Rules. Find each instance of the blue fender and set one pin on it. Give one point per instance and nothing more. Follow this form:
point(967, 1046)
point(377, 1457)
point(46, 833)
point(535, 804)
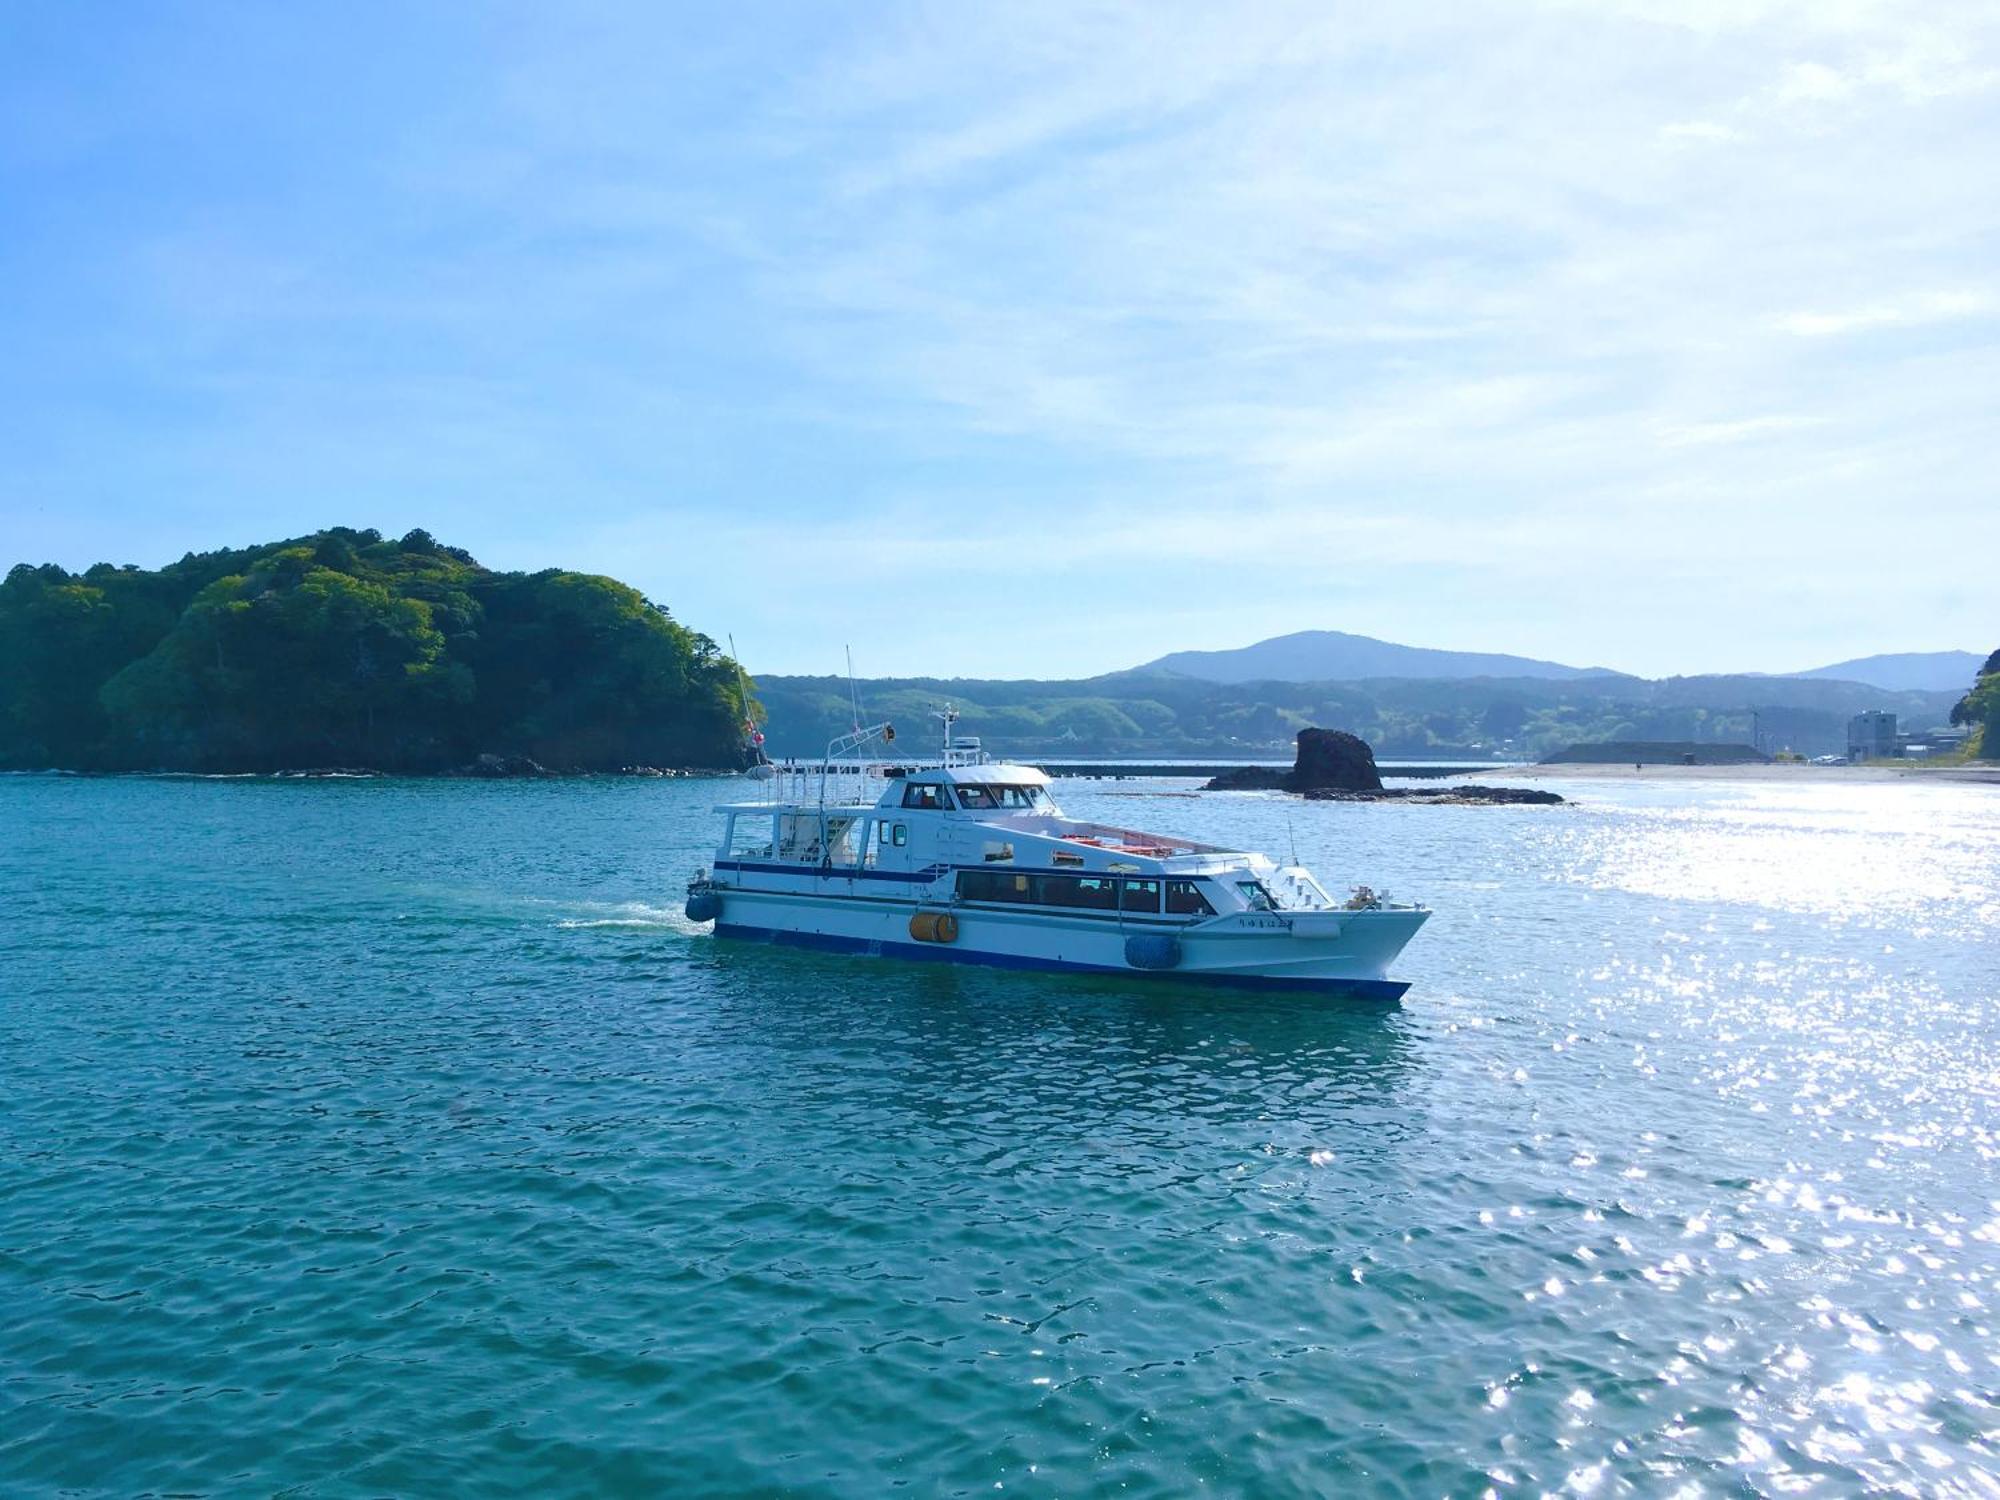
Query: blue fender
point(703, 906)
point(1153, 950)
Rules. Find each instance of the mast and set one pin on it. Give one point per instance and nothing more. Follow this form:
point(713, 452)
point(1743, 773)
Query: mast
point(753, 739)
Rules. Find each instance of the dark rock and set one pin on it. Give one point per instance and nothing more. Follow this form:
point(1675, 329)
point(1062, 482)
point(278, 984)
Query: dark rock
point(1327, 758)
point(1333, 759)
point(495, 767)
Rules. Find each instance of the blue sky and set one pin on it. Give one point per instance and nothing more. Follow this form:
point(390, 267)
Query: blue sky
point(1037, 340)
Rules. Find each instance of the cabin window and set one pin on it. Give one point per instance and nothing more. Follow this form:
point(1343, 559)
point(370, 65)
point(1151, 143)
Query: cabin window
point(1140, 895)
point(927, 796)
point(1184, 899)
point(994, 885)
point(1073, 892)
point(1092, 893)
point(900, 835)
point(1255, 896)
point(750, 838)
point(989, 797)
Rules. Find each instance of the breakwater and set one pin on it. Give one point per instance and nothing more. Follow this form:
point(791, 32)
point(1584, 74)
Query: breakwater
point(1114, 770)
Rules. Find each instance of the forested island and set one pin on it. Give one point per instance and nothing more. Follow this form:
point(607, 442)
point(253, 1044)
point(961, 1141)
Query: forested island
point(345, 648)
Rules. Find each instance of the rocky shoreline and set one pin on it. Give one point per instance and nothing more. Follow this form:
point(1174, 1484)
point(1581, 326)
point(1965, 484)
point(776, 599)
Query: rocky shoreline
point(485, 768)
point(1469, 795)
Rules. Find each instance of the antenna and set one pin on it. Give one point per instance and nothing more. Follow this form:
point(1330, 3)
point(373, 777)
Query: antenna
point(1292, 836)
point(853, 692)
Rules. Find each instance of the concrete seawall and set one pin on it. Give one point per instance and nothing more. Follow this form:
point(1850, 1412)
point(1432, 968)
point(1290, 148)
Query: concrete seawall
point(1111, 769)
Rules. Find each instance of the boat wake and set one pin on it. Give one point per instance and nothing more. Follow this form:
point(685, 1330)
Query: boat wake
point(627, 914)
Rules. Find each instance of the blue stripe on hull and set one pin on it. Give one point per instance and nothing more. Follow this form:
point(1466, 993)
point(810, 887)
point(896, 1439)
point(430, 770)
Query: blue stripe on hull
point(1359, 989)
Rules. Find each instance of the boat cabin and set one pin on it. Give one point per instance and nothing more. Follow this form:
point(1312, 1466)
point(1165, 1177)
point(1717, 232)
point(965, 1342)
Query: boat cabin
point(991, 834)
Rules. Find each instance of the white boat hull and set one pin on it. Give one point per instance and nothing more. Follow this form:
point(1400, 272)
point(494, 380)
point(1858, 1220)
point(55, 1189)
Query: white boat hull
point(1329, 951)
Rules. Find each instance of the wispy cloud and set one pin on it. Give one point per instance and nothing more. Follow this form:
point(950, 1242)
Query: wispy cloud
point(1462, 327)
point(1927, 308)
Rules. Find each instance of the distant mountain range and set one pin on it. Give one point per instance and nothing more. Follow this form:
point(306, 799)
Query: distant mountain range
point(1336, 656)
point(1906, 671)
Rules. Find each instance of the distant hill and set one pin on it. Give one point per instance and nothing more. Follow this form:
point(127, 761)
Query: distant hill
point(1166, 714)
point(1335, 656)
point(1906, 671)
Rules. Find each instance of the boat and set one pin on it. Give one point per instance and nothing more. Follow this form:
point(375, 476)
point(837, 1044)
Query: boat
point(964, 859)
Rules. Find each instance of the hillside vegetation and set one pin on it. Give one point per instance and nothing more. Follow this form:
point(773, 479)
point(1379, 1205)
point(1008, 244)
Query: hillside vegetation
point(1160, 714)
point(343, 648)
point(1979, 709)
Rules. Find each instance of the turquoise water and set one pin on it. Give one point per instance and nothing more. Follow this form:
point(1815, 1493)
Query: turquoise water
point(398, 1137)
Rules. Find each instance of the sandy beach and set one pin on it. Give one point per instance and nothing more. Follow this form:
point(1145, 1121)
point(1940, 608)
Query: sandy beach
point(1988, 773)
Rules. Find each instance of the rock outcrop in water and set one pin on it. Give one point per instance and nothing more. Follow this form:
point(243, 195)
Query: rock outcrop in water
point(1334, 766)
point(1326, 760)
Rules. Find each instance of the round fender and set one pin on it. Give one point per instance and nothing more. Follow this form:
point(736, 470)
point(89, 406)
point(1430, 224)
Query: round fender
point(1153, 950)
point(703, 906)
point(934, 927)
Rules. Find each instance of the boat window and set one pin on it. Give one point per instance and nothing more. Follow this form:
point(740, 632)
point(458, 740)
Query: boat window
point(926, 795)
point(993, 885)
point(1140, 895)
point(902, 836)
point(750, 837)
point(1256, 896)
point(1074, 892)
point(988, 797)
point(1092, 893)
point(1184, 899)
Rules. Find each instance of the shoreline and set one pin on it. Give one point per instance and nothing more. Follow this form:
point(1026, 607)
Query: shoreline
point(368, 773)
point(1987, 774)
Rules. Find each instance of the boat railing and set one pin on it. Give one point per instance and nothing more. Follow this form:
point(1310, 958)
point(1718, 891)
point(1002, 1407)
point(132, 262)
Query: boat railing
point(814, 783)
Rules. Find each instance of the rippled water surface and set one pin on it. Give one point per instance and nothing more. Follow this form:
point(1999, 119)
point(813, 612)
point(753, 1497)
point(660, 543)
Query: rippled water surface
point(400, 1137)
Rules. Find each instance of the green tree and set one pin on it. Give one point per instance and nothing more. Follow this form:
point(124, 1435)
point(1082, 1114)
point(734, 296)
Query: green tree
point(1979, 709)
